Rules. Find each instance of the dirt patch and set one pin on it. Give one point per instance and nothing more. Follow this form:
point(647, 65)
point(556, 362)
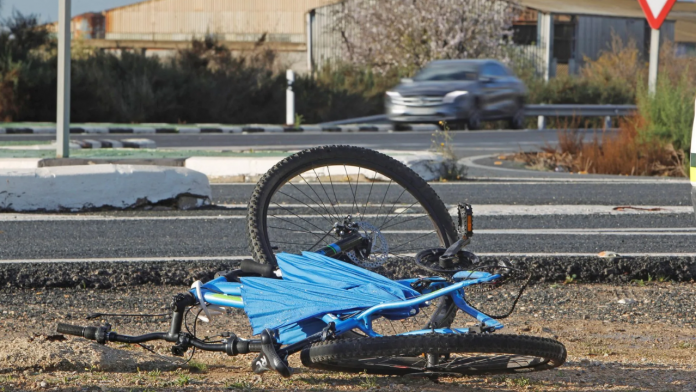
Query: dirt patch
point(632, 337)
point(55, 352)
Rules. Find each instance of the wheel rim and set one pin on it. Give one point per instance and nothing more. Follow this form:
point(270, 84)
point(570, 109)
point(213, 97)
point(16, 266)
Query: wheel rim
point(473, 363)
point(302, 212)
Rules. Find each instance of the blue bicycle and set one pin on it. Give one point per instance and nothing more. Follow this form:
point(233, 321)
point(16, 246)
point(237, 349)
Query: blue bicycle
point(310, 291)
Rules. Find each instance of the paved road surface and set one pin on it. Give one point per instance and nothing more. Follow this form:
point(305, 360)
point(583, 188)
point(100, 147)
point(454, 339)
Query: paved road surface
point(563, 222)
point(465, 143)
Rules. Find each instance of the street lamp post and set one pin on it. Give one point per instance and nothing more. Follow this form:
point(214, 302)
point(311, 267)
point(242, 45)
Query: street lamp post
point(63, 111)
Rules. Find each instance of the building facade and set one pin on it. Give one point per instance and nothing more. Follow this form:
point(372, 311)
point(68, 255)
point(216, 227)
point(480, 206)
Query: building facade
point(160, 27)
point(556, 35)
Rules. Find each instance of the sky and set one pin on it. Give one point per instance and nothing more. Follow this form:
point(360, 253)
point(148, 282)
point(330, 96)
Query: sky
point(48, 9)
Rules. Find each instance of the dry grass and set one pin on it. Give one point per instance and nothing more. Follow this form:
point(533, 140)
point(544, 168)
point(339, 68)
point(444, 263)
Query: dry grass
point(624, 153)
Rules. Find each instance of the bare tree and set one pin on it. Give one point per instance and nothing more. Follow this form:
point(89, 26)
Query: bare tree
point(410, 33)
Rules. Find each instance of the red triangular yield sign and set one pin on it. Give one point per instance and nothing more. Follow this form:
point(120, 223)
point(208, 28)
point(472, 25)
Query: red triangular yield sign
point(656, 11)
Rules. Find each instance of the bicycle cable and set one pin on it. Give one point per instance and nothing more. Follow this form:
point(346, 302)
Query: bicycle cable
point(95, 315)
point(514, 303)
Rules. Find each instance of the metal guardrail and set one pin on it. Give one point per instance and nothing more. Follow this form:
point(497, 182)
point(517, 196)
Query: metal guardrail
point(579, 110)
point(378, 119)
point(530, 111)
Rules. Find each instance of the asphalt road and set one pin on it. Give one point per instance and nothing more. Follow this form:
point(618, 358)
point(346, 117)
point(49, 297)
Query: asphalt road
point(220, 232)
point(465, 143)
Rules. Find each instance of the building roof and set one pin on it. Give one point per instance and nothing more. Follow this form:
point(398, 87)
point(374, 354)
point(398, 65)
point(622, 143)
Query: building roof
point(682, 11)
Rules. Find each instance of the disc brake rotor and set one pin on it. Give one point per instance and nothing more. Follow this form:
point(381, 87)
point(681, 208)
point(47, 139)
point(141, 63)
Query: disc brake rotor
point(379, 253)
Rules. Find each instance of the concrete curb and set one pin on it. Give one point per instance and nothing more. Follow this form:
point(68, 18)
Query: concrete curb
point(77, 188)
point(428, 165)
point(216, 128)
point(91, 144)
point(108, 143)
point(234, 169)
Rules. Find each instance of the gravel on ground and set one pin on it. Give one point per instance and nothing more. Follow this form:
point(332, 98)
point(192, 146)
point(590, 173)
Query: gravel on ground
point(639, 336)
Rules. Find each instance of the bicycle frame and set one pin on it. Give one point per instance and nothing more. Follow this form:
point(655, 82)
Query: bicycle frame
point(220, 292)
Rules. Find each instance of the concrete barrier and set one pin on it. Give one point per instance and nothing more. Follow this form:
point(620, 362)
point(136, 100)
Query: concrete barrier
point(244, 169)
point(75, 188)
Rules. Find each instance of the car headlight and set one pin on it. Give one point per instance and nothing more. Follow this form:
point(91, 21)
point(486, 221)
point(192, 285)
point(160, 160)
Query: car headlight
point(450, 97)
point(398, 109)
point(395, 97)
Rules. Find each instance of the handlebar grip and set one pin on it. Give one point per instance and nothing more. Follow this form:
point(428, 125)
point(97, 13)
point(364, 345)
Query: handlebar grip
point(76, 330)
point(265, 270)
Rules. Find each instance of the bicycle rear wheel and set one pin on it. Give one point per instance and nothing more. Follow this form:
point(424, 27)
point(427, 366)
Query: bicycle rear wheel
point(457, 355)
point(296, 204)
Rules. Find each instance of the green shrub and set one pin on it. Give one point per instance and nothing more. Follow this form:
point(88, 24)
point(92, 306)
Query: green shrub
point(669, 113)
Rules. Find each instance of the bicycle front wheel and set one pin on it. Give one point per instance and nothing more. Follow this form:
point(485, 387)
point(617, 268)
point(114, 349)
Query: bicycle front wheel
point(450, 355)
point(296, 205)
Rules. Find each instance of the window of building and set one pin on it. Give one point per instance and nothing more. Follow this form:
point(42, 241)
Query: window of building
point(564, 28)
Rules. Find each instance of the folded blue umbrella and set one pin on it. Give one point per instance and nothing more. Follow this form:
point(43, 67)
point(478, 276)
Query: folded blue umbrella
point(312, 267)
point(312, 286)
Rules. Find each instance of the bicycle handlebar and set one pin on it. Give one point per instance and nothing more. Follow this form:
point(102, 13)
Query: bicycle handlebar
point(102, 334)
point(85, 332)
point(231, 346)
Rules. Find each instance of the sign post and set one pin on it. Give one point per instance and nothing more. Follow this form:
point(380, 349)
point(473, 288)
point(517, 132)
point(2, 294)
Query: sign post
point(656, 12)
point(63, 107)
point(290, 99)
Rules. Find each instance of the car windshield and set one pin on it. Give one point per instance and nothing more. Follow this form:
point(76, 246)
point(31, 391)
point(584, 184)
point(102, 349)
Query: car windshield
point(446, 73)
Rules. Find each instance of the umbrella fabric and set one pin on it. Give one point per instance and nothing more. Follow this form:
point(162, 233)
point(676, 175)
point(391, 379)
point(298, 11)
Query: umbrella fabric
point(315, 268)
point(274, 303)
point(312, 286)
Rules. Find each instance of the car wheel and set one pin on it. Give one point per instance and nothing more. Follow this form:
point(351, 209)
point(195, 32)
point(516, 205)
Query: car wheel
point(400, 126)
point(473, 123)
point(518, 119)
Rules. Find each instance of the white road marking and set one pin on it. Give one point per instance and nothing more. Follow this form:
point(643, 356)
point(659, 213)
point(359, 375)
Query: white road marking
point(536, 210)
point(637, 231)
point(581, 178)
point(584, 254)
point(479, 210)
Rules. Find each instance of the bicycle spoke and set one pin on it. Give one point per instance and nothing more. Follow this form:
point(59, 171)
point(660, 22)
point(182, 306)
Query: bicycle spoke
point(414, 239)
point(327, 195)
point(351, 190)
point(320, 240)
point(294, 230)
point(384, 198)
point(289, 243)
point(393, 205)
point(285, 194)
point(301, 218)
point(317, 195)
point(328, 170)
point(369, 194)
point(404, 221)
point(397, 215)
